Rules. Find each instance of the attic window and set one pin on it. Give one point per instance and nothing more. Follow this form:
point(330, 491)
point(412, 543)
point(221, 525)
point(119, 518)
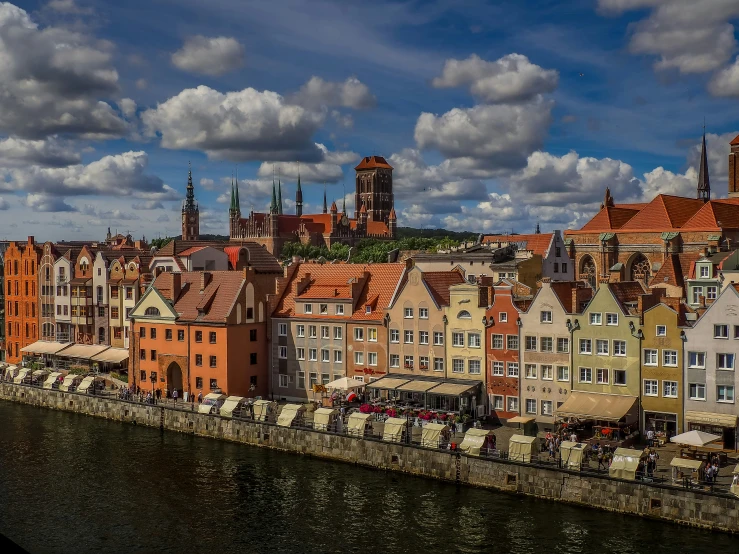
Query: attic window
point(368, 309)
point(152, 311)
point(464, 314)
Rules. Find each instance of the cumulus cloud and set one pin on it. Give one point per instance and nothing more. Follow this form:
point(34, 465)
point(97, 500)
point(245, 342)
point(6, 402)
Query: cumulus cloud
point(15, 152)
point(109, 215)
point(246, 125)
point(148, 205)
point(349, 94)
point(207, 184)
point(42, 202)
point(726, 82)
point(52, 79)
point(327, 171)
point(692, 36)
point(512, 78)
point(212, 56)
point(4, 204)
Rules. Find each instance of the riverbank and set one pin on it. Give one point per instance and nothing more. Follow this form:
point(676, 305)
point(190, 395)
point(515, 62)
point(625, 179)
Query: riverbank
point(686, 507)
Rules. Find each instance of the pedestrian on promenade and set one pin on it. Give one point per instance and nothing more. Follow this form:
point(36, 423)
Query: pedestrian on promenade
point(601, 458)
point(573, 436)
point(200, 396)
point(650, 438)
point(175, 395)
point(159, 395)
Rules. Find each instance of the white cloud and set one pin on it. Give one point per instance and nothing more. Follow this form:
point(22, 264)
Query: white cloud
point(207, 184)
point(148, 205)
point(4, 204)
point(51, 152)
point(328, 171)
point(107, 215)
point(512, 78)
point(726, 81)
point(692, 36)
point(350, 94)
point(68, 7)
point(41, 202)
point(141, 84)
point(212, 56)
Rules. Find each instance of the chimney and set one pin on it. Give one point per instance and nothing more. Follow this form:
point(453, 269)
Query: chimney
point(176, 285)
point(205, 277)
point(31, 240)
point(702, 301)
point(575, 299)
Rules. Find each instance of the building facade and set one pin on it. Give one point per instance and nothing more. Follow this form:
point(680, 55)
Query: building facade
point(502, 345)
point(190, 212)
point(47, 290)
point(550, 247)
point(21, 297)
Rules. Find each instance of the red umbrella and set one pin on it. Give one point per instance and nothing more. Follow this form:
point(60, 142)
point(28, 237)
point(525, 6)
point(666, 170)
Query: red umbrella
point(351, 397)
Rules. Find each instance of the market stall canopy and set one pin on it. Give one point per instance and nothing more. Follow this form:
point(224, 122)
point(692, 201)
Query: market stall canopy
point(322, 417)
point(694, 438)
point(345, 383)
point(82, 351)
point(69, 380)
point(289, 413)
point(417, 386)
point(211, 399)
point(394, 428)
point(434, 434)
point(387, 383)
point(523, 420)
point(474, 441)
point(45, 347)
point(263, 409)
point(87, 383)
point(111, 356)
point(735, 482)
point(356, 423)
point(708, 418)
point(40, 372)
point(571, 454)
point(520, 448)
point(51, 379)
point(231, 403)
point(454, 389)
point(591, 405)
point(686, 463)
point(625, 463)
point(21, 375)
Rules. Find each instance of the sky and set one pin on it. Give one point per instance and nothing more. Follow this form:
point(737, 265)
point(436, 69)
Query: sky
point(495, 115)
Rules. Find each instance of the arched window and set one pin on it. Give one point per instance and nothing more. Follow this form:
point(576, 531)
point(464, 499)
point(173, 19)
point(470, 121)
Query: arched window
point(640, 269)
point(152, 311)
point(464, 314)
point(587, 270)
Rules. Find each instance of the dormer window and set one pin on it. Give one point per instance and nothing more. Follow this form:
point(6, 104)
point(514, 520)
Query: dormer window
point(368, 309)
point(704, 272)
point(307, 308)
point(339, 309)
point(323, 309)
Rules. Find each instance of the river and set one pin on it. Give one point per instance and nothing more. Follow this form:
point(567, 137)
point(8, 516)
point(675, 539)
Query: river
point(76, 484)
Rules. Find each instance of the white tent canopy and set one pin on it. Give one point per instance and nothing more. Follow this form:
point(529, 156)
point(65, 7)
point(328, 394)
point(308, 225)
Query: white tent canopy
point(345, 383)
point(694, 438)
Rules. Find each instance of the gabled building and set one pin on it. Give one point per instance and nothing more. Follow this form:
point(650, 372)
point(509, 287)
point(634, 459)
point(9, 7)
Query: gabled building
point(128, 278)
point(47, 290)
point(21, 297)
point(549, 247)
point(705, 279)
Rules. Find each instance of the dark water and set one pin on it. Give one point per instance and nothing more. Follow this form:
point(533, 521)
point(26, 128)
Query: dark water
point(76, 484)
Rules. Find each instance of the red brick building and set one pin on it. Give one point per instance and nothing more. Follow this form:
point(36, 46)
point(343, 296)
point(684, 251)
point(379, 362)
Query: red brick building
point(21, 297)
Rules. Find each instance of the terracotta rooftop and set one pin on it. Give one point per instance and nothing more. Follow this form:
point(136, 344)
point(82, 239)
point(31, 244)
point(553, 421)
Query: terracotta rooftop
point(213, 304)
point(438, 283)
point(735, 141)
point(563, 290)
point(191, 251)
point(536, 243)
point(671, 273)
point(610, 218)
point(372, 162)
point(176, 247)
point(627, 291)
point(259, 257)
point(664, 212)
point(724, 211)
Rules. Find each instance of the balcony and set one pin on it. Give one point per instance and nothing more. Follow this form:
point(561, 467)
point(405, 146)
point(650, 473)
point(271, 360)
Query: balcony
point(61, 280)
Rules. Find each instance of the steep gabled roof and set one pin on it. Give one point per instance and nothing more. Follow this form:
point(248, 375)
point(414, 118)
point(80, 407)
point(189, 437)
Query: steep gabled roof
point(438, 283)
point(213, 304)
point(538, 243)
point(626, 292)
point(563, 291)
point(372, 162)
point(670, 273)
point(610, 218)
point(725, 211)
point(664, 212)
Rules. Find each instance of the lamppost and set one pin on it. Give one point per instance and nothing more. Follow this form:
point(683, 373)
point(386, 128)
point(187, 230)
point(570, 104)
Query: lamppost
point(153, 379)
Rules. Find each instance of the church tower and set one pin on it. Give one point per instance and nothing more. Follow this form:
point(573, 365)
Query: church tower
point(374, 188)
point(704, 183)
point(299, 198)
point(190, 212)
point(734, 169)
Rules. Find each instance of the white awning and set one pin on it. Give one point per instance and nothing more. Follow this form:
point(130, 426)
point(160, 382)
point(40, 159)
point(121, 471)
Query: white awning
point(45, 347)
point(708, 418)
point(597, 406)
point(111, 355)
point(231, 403)
point(83, 351)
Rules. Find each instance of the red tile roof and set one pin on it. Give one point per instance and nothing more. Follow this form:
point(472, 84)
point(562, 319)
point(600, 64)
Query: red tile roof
point(212, 304)
point(536, 243)
point(627, 291)
point(259, 257)
point(191, 251)
point(371, 162)
point(611, 218)
point(670, 273)
point(725, 211)
point(439, 282)
point(563, 290)
point(735, 141)
point(664, 212)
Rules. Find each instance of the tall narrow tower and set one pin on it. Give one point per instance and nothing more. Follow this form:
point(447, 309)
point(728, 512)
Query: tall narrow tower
point(299, 198)
point(734, 168)
point(190, 211)
point(374, 188)
point(704, 183)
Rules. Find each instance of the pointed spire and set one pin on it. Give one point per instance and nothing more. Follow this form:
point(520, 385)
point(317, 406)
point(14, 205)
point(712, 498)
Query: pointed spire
point(299, 196)
point(538, 229)
point(190, 197)
point(325, 206)
point(704, 182)
point(232, 208)
point(279, 196)
point(238, 203)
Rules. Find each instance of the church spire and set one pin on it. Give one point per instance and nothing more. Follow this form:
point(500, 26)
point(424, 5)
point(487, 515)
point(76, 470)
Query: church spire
point(299, 197)
point(273, 204)
point(538, 229)
point(279, 196)
point(343, 207)
point(190, 197)
point(238, 203)
point(325, 207)
point(704, 182)
point(232, 208)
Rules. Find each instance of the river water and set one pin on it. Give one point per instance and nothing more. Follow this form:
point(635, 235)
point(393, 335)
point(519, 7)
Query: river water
point(72, 483)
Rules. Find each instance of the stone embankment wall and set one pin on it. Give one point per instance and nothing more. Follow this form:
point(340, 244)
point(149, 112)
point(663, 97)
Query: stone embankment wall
point(695, 508)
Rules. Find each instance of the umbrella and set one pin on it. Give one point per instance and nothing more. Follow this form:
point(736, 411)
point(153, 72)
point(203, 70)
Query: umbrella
point(694, 438)
point(351, 397)
point(345, 383)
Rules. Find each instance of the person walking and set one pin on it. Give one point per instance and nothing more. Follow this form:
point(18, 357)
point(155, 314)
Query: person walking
point(650, 438)
point(175, 394)
point(200, 397)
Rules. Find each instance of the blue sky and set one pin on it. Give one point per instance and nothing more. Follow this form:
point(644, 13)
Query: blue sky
point(496, 115)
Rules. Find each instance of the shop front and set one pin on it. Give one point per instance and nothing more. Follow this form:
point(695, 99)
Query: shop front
point(609, 418)
point(663, 424)
point(723, 425)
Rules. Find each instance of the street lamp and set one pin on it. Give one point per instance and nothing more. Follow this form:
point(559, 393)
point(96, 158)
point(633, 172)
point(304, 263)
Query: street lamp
point(153, 378)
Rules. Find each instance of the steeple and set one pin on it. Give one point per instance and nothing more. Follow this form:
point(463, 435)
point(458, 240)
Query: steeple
point(279, 196)
point(299, 197)
point(704, 182)
point(273, 204)
point(190, 197)
point(232, 208)
point(538, 229)
point(325, 206)
point(190, 211)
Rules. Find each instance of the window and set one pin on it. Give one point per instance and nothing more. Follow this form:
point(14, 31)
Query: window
point(325, 332)
point(358, 358)
point(546, 344)
point(457, 365)
point(283, 381)
point(312, 354)
point(611, 319)
point(323, 309)
point(601, 347)
point(669, 358)
point(530, 371)
point(423, 313)
point(325, 355)
point(563, 373)
point(650, 387)
point(212, 361)
point(556, 267)
point(438, 364)
point(307, 308)
point(142, 354)
point(394, 360)
point(301, 379)
point(473, 340)
point(180, 335)
point(457, 339)
point(464, 314)
point(281, 329)
point(299, 330)
point(546, 372)
point(596, 319)
point(153, 355)
point(661, 330)
point(438, 338)
point(512, 404)
point(697, 360)
point(496, 342)
point(497, 369)
point(339, 309)
point(408, 362)
point(372, 334)
point(530, 343)
point(313, 376)
point(198, 336)
point(198, 359)
point(212, 337)
point(669, 389)
point(586, 346)
point(546, 407)
point(512, 369)
point(503, 317)
point(545, 317)
point(650, 356)
point(586, 375)
point(619, 377)
point(372, 358)
point(408, 337)
point(282, 352)
point(473, 367)
point(408, 313)
point(619, 348)
point(721, 331)
point(129, 293)
point(423, 337)
point(512, 342)
point(711, 293)
point(704, 271)
point(338, 333)
point(359, 333)
point(725, 393)
point(198, 382)
point(498, 402)
point(736, 331)
point(142, 332)
point(423, 362)
point(697, 391)
point(168, 334)
point(697, 293)
point(300, 353)
point(563, 345)
point(724, 361)
point(312, 331)
point(530, 406)
point(601, 376)
point(394, 335)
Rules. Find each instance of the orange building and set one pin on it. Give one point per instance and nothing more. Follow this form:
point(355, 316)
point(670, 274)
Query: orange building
point(21, 297)
point(200, 332)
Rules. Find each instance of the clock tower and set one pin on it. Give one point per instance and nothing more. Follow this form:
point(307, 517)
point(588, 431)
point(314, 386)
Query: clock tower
point(190, 212)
